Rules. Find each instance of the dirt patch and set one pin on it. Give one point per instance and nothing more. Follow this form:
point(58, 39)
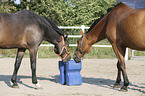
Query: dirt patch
point(99, 75)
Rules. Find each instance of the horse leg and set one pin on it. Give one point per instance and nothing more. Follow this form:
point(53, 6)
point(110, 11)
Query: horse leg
point(33, 53)
point(118, 80)
point(18, 60)
point(120, 53)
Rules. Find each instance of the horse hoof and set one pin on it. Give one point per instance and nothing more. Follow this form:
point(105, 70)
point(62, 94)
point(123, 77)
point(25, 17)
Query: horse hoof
point(123, 90)
point(15, 86)
point(38, 86)
point(116, 86)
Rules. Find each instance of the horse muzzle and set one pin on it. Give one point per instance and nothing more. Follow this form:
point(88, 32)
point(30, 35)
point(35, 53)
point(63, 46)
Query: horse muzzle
point(76, 58)
point(66, 58)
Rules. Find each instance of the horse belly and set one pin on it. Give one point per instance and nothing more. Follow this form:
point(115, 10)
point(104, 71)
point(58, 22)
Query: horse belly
point(137, 47)
point(136, 41)
point(14, 44)
point(131, 32)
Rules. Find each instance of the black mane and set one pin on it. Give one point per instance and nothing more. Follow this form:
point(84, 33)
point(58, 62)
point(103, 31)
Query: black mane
point(97, 20)
point(59, 31)
point(44, 21)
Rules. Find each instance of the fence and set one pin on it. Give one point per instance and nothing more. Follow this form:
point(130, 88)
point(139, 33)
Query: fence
point(135, 56)
point(82, 27)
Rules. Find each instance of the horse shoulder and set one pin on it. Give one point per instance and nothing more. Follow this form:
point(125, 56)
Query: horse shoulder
point(111, 27)
point(33, 35)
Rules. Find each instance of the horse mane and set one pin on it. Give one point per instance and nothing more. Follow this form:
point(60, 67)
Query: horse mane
point(55, 27)
point(44, 21)
point(102, 16)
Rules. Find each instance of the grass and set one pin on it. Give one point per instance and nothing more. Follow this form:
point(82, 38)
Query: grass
point(47, 52)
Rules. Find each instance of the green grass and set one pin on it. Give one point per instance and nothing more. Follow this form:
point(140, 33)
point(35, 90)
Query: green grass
point(47, 52)
point(139, 53)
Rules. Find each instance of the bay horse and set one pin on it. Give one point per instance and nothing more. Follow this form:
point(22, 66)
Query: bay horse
point(26, 30)
point(124, 27)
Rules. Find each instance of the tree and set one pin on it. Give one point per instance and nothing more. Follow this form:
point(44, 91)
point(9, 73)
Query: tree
point(70, 13)
point(80, 12)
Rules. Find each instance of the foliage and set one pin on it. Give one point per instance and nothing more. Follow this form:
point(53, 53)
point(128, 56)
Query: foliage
point(71, 13)
point(78, 12)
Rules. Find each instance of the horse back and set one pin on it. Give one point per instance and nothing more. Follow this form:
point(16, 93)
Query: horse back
point(127, 27)
point(19, 29)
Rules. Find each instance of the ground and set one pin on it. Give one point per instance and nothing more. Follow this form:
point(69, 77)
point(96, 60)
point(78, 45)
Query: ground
point(98, 76)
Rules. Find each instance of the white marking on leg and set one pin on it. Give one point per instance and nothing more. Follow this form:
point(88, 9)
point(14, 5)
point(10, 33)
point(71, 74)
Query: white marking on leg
point(38, 86)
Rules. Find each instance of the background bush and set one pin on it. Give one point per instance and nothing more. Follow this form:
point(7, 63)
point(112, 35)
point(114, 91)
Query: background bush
point(71, 13)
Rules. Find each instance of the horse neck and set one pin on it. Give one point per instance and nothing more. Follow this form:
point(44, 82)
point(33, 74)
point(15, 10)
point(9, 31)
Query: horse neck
point(98, 32)
point(52, 33)
point(52, 37)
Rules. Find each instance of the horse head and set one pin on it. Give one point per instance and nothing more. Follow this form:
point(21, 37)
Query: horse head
point(82, 48)
point(61, 49)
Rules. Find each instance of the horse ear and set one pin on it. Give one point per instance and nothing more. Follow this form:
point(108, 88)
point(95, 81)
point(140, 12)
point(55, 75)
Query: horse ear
point(82, 33)
point(65, 36)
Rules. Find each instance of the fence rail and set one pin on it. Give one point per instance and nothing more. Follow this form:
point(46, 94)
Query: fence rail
point(82, 27)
